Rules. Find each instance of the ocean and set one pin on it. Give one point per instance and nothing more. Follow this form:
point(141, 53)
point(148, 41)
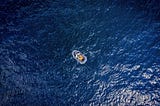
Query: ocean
point(120, 38)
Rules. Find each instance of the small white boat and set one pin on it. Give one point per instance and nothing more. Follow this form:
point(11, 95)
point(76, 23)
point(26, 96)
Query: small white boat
point(82, 59)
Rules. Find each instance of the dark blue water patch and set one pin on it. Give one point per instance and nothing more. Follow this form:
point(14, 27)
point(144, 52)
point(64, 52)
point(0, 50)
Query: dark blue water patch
point(10, 15)
point(120, 39)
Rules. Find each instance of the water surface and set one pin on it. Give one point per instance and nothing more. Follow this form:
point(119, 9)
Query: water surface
point(120, 39)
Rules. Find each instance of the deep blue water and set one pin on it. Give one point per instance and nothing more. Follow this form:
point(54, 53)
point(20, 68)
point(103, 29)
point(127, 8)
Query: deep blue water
point(121, 40)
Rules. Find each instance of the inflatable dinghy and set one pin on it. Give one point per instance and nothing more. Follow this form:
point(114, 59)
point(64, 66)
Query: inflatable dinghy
point(82, 59)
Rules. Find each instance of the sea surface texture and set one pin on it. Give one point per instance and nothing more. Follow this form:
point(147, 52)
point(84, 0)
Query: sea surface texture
point(121, 39)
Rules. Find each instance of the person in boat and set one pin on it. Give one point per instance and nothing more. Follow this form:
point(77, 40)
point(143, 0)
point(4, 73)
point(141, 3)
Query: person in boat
point(79, 57)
